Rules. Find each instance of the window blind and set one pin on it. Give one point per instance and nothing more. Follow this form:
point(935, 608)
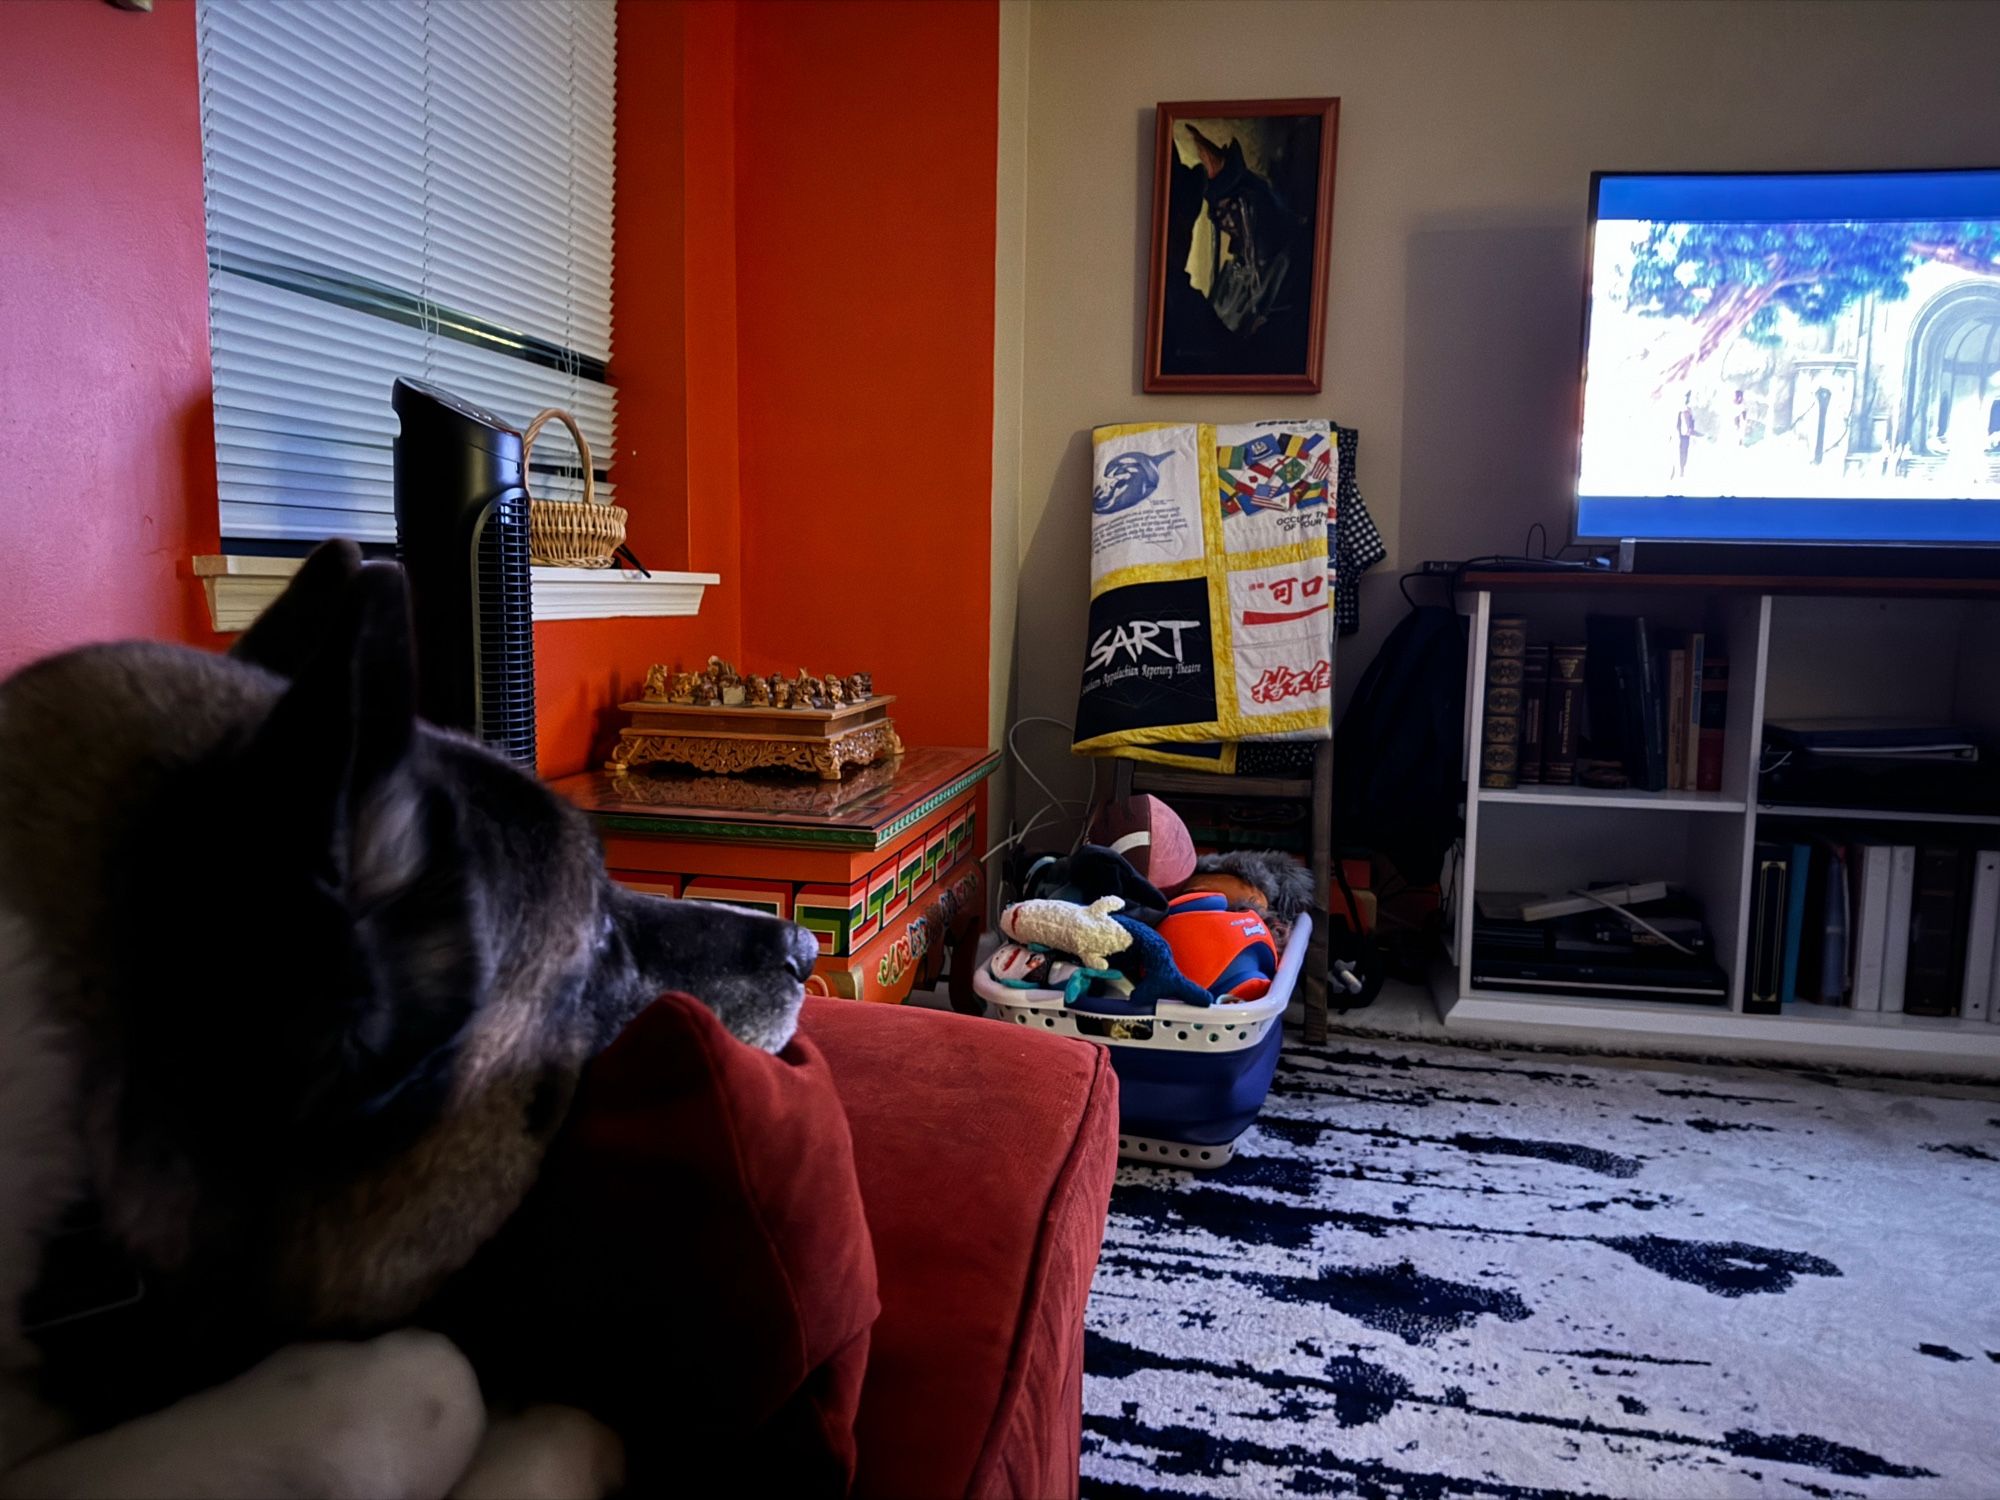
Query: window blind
point(401, 187)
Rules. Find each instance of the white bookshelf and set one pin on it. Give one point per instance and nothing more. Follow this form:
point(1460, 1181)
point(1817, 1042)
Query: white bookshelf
point(1838, 648)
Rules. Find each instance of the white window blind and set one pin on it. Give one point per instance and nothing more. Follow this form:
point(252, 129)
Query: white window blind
point(400, 187)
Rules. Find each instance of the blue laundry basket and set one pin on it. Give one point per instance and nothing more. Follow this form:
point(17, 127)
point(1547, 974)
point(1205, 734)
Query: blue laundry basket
point(1190, 1078)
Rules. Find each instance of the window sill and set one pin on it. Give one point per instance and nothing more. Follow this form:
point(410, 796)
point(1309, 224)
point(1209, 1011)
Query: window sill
point(239, 589)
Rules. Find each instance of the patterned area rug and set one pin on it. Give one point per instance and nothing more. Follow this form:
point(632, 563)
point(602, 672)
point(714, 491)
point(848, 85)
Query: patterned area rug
point(1438, 1271)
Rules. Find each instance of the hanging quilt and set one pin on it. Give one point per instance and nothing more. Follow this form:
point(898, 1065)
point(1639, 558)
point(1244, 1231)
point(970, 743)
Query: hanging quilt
point(1210, 590)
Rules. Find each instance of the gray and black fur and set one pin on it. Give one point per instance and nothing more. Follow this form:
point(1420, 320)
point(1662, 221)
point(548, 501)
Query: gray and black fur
point(294, 988)
point(1286, 883)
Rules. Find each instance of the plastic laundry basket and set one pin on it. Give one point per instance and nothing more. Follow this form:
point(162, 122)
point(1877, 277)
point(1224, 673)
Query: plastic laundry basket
point(1191, 1078)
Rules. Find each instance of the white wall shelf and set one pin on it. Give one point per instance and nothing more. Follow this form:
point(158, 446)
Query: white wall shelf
point(1590, 796)
point(1876, 815)
point(240, 588)
point(1850, 652)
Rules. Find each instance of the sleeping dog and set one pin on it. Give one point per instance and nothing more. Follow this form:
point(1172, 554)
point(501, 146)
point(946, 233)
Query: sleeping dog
point(294, 991)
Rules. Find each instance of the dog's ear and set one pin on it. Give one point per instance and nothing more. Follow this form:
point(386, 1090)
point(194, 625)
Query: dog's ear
point(296, 625)
point(344, 729)
point(360, 817)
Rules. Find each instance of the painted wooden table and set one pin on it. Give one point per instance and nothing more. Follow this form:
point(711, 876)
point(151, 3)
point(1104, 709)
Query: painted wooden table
point(882, 866)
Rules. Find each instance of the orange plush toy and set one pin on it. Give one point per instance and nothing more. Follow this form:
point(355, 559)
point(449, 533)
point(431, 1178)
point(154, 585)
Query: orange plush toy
point(1228, 953)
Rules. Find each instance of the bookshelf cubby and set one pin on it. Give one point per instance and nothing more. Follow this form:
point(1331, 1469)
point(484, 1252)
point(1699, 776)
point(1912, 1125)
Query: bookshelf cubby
point(1799, 648)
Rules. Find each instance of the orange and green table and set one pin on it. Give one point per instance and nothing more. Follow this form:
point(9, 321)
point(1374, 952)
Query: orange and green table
point(882, 866)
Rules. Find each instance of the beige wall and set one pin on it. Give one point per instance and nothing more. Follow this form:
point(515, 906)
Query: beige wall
point(1010, 270)
point(1468, 132)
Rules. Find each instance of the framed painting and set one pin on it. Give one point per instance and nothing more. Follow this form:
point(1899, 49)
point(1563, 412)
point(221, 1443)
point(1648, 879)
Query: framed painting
point(1242, 221)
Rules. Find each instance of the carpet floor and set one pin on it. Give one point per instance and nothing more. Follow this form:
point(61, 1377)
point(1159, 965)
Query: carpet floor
point(1438, 1271)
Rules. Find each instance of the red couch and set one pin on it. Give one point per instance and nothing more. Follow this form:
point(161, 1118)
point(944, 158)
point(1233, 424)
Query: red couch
point(985, 1154)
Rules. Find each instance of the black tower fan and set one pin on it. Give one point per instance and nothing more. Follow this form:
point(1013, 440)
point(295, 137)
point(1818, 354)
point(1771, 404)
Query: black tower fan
point(462, 534)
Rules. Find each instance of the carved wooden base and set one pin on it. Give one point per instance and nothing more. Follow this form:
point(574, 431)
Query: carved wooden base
point(727, 754)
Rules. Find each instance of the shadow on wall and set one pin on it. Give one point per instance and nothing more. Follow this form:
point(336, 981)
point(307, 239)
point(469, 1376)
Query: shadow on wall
point(1053, 613)
point(1491, 352)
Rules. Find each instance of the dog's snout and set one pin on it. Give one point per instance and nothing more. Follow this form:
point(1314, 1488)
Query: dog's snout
point(801, 953)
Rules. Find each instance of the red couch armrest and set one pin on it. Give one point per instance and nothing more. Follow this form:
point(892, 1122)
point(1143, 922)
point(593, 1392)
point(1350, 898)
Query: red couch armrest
point(985, 1154)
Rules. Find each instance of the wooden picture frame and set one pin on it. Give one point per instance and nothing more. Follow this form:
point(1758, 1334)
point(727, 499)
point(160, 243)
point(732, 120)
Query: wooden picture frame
point(1219, 319)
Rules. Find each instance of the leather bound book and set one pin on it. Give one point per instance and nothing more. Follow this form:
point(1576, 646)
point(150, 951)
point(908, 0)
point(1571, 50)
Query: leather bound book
point(1714, 715)
point(1562, 716)
point(1534, 702)
point(1500, 740)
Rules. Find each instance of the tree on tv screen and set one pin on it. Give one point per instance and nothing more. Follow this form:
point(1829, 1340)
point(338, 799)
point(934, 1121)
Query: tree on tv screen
point(1730, 279)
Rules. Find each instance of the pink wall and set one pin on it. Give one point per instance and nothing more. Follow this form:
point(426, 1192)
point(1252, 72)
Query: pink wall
point(106, 438)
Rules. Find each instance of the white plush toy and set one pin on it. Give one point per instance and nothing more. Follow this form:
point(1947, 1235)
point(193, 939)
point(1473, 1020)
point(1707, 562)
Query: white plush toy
point(1086, 931)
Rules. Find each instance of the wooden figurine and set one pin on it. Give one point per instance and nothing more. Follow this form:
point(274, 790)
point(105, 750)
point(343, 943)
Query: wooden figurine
point(860, 687)
point(757, 691)
point(781, 691)
point(680, 688)
point(836, 692)
point(656, 684)
point(707, 692)
point(808, 692)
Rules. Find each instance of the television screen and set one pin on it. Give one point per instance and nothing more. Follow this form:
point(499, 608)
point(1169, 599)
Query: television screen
point(1808, 357)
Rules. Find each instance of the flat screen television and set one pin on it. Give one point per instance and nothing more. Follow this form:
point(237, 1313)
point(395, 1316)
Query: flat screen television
point(1792, 358)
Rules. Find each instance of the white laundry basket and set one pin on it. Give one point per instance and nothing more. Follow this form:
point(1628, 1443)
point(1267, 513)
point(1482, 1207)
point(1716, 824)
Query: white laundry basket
point(1191, 1078)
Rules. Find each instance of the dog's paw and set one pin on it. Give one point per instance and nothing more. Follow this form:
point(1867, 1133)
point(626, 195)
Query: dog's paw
point(544, 1453)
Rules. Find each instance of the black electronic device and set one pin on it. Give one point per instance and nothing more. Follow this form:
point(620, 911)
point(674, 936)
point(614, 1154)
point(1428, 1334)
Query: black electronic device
point(462, 535)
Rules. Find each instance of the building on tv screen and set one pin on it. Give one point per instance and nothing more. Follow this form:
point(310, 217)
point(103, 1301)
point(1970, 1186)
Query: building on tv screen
point(1794, 358)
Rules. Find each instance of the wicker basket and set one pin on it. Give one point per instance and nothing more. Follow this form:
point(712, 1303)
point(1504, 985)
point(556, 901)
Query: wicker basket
point(570, 533)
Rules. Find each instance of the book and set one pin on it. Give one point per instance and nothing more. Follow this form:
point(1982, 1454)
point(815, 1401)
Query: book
point(1625, 704)
point(1982, 928)
point(1697, 652)
point(1896, 946)
point(1677, 720)
point(1763, 978)
point(1931, 985)
point(1714, 714)
point(1562, 718)
point(1823, 948)
point(1869, 864)
point(1534, 700)
point(1500, 739)
point(1799, 867)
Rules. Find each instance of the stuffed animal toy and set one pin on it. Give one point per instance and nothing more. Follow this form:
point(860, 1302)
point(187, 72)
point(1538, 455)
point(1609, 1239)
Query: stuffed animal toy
point(1149, 963)
point(1020, 967)
point(1227, 952)
point(1234, 889)
point(1286, 884)
point(1088, 932)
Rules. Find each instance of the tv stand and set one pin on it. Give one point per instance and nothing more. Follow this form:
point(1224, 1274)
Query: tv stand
point(1914, 648)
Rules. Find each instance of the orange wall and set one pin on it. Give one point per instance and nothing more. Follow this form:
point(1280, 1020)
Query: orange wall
point(866, 145)
point(673, 304)
point(804, 344)
point(107, 444)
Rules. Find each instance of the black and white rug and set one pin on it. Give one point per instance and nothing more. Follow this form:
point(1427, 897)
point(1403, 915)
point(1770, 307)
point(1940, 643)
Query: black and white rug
point(1435, 1271)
